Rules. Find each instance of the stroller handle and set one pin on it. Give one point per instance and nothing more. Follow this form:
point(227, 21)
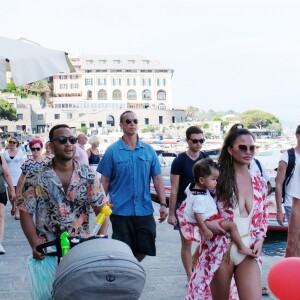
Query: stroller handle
point(40, 248)
point(74, 240)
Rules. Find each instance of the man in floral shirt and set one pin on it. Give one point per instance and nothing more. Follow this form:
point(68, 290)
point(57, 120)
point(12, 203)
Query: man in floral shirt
point(59, 194)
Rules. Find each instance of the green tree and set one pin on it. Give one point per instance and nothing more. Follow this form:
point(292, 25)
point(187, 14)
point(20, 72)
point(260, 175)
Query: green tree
point(82, 129)
point(41, 88)
point(192, 112)
point(7, 111)
point(276, 127)
point(217, 118)
point(224, 123)
point(149, 128)
point(258, 119)
point(17, 91)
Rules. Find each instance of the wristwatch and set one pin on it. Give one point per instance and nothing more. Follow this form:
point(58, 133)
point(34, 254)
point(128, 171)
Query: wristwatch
point(164, 204)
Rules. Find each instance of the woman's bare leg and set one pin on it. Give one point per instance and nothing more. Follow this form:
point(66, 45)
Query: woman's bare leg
point(248, 279)
point(195, 256)
point(220, 284)
point(2, 216)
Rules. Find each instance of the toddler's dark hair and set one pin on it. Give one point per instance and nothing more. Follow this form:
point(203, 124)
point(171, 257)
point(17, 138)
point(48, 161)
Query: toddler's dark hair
point(202, 168)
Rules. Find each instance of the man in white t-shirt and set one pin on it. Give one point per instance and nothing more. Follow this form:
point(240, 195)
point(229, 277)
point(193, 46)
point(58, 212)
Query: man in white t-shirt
point(80, 154)
point(282, 167)
point(293, 242)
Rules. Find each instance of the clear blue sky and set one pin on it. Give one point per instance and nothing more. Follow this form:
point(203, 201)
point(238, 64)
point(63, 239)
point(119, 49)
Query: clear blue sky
point(226, 54)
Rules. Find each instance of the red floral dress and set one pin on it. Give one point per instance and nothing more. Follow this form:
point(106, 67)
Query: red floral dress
point(212, 251)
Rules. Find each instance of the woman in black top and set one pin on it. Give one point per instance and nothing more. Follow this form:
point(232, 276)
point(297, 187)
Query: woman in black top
point(93, 152)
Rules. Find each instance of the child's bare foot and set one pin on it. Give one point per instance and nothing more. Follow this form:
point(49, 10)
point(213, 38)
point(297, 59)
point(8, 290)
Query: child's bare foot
point(246, 251)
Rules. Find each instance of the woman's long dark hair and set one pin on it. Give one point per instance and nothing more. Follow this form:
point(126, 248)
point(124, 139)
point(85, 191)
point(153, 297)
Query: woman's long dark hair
point(227, 188)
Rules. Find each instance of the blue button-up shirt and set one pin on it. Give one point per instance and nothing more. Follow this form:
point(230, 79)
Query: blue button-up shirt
point(129, 172)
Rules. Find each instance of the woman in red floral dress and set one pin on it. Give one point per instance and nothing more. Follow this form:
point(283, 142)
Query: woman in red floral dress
point(242, 197)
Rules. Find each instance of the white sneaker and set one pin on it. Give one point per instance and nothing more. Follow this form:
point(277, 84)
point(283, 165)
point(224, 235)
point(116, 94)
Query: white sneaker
point(2, 251)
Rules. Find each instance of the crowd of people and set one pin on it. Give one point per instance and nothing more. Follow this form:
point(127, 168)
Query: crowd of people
point(222, 205)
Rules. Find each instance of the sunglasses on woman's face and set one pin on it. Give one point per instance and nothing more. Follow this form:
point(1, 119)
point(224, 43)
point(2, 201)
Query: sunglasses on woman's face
point(245, 148)
point(35, 149)
point(63, 139)
point(12, 142)
point(195, 141)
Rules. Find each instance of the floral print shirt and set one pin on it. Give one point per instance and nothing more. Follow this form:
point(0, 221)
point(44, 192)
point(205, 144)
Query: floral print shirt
point(212, 251)
point(56, 211)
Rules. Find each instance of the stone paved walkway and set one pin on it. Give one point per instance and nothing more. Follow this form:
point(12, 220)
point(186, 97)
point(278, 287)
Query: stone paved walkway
point(165, 275)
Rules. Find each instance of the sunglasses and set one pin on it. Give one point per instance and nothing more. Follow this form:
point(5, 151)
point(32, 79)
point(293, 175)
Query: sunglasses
point(63, 139)
point(128, 121)
point(244, 148)
point(195, 141)
point(35, 149)
point(12, 142)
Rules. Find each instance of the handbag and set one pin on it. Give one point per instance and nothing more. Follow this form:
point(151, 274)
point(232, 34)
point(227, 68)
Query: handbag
point(42, 274)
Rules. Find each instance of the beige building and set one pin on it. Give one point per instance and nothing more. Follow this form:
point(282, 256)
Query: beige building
point(115, 82)
point(100, 90)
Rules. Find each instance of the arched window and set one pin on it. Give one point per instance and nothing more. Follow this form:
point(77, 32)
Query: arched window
point(161, 95)
point(131, 95)
point(146, 95)
point(161, 106)
point(117, 95)
point(110, 120)
point(89, 95)
point(102, 95)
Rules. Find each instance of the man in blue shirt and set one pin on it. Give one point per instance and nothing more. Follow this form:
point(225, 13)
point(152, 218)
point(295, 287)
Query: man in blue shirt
point(126, 169)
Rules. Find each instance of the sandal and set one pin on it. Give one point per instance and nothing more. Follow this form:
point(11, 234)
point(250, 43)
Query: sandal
point(264, 291)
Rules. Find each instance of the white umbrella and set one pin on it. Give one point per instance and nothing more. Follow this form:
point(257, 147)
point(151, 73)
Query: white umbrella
point(29, 62)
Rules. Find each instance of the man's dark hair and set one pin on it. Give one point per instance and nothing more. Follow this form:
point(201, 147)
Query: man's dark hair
point(202, 168)
point(191, 130)
point(51, 132)
point(298, 130)
point(124, 113)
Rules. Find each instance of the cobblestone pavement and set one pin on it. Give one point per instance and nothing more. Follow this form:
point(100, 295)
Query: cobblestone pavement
point(165, 279)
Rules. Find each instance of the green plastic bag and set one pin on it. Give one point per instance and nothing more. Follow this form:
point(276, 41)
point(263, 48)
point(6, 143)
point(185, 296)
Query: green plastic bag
point(42, 274)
